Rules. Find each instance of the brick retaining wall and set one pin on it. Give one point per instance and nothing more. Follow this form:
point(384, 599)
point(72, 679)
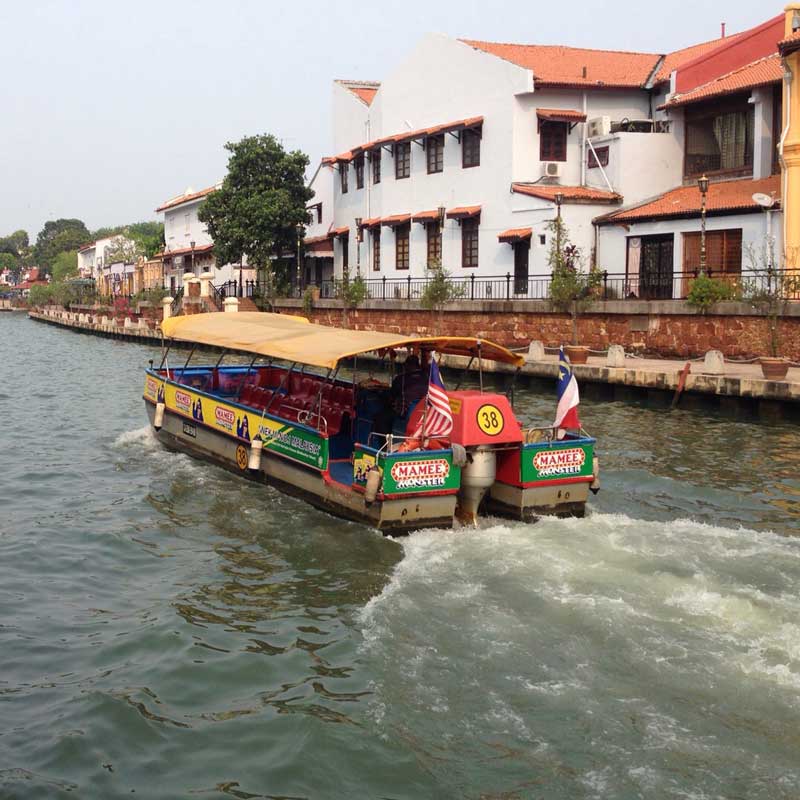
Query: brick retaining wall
point(664, 329)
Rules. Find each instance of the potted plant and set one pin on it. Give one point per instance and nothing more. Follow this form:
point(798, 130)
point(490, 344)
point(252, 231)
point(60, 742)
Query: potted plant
point(768, 290)
point(572, 290)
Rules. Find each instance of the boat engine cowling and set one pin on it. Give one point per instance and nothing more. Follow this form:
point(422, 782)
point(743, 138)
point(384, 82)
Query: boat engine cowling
point(477, 477)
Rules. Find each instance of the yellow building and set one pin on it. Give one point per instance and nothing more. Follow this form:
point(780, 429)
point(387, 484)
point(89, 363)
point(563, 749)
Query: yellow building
point(789, 49)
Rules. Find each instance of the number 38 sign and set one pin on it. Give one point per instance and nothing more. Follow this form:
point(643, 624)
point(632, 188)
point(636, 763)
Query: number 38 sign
point(490, 419)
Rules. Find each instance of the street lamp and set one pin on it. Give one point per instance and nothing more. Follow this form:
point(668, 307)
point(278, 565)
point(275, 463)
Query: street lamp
point(702, 184)
point(191, 244)
point(559, 198)
point(359, 238)
point(299, 230)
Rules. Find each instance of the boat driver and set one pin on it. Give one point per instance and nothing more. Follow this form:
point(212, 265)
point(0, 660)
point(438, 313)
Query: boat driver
point(407, 389)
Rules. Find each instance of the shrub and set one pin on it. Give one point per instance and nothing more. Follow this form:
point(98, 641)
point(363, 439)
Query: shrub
point(706, 292)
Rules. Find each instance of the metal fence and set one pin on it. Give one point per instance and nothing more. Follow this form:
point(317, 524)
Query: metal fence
point(612, 286)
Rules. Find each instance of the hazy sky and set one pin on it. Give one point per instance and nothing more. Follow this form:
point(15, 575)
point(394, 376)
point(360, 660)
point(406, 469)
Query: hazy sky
point(109, 108)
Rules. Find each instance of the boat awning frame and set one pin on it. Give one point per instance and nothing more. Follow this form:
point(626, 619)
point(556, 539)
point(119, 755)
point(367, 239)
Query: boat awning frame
point(295, 339)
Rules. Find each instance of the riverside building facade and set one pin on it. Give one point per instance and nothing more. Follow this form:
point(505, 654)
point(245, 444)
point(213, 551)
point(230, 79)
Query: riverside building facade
point(469, 150)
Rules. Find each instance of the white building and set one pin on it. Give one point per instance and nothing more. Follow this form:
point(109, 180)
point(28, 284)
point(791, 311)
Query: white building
point(466, 151)
point(106, 261)
point(188, 246)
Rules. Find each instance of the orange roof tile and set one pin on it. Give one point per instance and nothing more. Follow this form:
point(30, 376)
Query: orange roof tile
point(571, 194)
point(789, 44)
point(677, 58)
point(426, 216)
point(316, 239)
point(561, 114)
point(556, 65)
point(463, 212)
point(514, 235)
point(343, 231)
point(182, 251)
point(759, 73)
point(684, 201)
point(407, 136)
point(363, 90)
point(372, 222)
point(395, 219)
point(185, 198)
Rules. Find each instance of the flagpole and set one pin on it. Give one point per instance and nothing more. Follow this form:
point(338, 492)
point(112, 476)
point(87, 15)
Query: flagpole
point(425, 410)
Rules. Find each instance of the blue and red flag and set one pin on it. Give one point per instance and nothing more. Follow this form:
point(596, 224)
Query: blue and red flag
point(437, 419)
point(568, 397)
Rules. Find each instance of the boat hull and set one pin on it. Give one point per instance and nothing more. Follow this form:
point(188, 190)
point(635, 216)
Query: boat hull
point(390, 516)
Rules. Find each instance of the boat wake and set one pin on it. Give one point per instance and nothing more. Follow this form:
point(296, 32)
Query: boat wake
point(511, 625)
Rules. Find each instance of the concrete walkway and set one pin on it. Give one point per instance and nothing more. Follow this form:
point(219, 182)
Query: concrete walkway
point(738, 381)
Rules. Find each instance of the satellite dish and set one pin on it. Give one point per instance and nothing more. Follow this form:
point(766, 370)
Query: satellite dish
point(764, 200)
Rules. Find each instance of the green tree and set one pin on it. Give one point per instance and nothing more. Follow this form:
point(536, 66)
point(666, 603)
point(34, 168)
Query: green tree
point(571, 289)
point(123, 250)
point(149, 236)
point(40, 295)
point(261, 201)
point(8, 261)
point(56, 237)
point(65, 265)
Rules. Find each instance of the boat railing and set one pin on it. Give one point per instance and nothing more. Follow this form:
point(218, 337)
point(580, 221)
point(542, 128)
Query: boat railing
point(548, 434)
point(307, 417)
point(392, 442)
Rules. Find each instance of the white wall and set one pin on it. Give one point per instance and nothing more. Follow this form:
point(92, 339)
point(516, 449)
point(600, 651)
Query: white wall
point(640, 165)
point(322, 185)
point(615, 104)
point(613, 238)
point(182, 227)
point(350, 119)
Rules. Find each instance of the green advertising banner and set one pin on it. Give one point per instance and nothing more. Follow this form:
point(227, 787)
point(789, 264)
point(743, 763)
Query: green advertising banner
point(420, 472)
point(557, 461)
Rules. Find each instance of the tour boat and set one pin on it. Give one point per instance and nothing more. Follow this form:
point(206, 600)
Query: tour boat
point(286, 416)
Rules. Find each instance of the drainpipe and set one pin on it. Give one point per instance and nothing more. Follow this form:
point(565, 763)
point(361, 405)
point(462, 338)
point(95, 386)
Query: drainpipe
point(583, 142)
point(787, 106)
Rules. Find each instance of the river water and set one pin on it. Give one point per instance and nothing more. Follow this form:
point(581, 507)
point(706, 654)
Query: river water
point(169, 630)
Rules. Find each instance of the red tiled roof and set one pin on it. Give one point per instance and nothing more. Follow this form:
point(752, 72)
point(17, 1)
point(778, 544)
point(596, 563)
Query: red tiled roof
point(87, 246)
point(759, 73)
point(407, 136)
point(395, 219)
point(329, 160)
point(185, 198)
point(343, 231)
point(463, 212)
point(561, 114)
point(677, 58)
point(789, 44)
point(426, 216)
point(684, 201)
point(571, 194)
point(182, 251)
point(316, 239)
point(372, 222)
point(363, 90)
point(515, 235)
point(556, 65)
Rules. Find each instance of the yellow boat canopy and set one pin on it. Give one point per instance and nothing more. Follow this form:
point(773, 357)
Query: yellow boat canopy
point(295, 339)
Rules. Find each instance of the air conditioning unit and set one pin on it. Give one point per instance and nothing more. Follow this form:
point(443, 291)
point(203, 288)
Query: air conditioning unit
point(632, 126)
point(551, 169)
point(598, 126)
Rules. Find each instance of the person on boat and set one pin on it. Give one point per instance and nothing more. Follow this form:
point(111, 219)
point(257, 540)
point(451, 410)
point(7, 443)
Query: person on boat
point(408, 388)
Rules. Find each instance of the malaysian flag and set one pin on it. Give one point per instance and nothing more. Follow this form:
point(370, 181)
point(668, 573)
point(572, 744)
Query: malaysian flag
point(568, 398)
point(437, 419)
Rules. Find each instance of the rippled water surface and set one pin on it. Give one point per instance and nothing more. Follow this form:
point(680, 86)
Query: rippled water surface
point(169, 630)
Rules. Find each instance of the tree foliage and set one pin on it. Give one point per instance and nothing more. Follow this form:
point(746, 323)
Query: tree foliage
point(58, 236)
point(8, 261)
point(149, 236)
point(121, 250)
point(65, 265)
point(572, 289)
point(261, 201)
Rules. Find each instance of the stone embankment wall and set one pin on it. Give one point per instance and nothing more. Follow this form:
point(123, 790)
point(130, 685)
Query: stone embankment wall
point(668, 329)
